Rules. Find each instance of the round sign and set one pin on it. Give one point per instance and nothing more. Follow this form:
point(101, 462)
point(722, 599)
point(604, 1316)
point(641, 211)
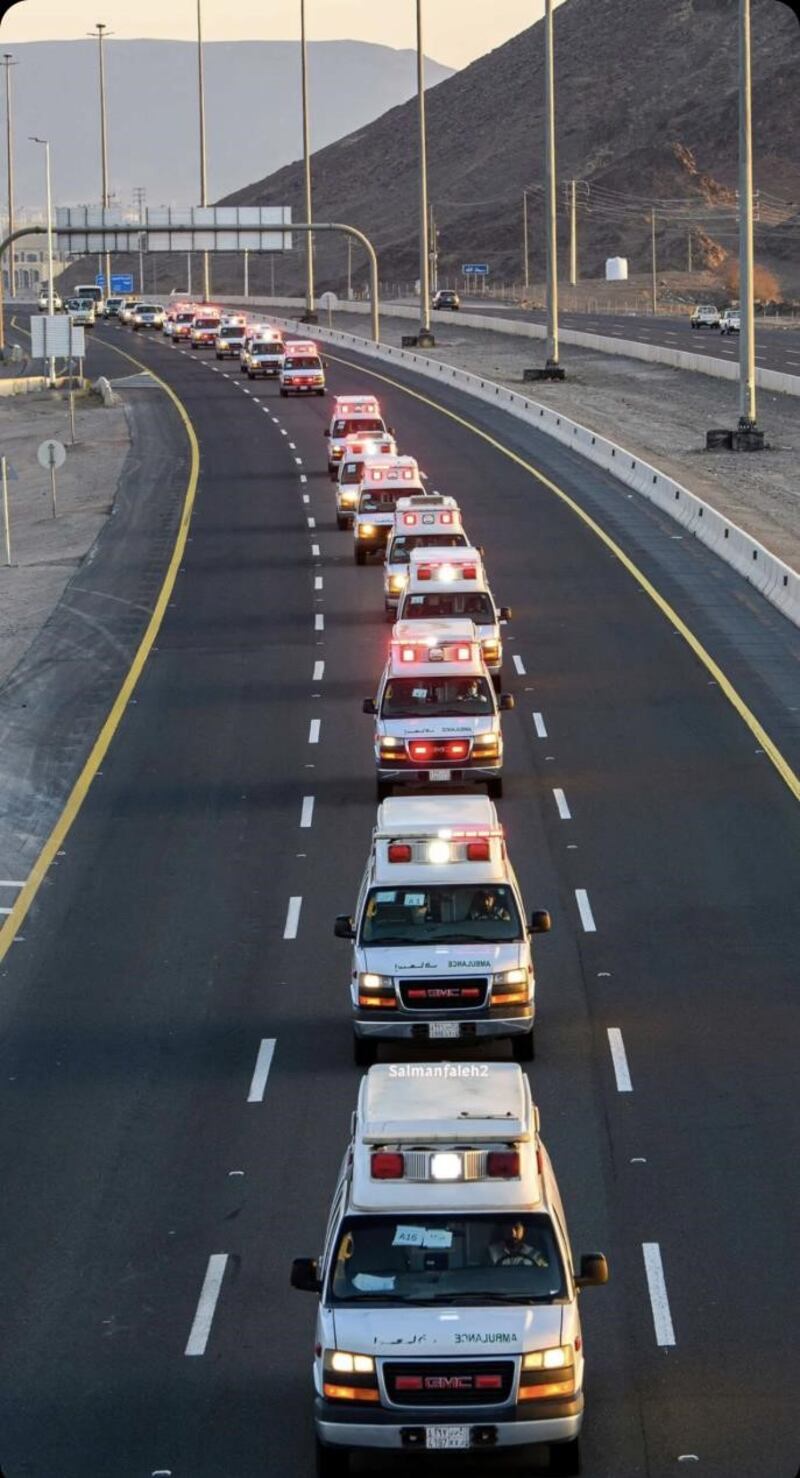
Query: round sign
point(51, 454)
point(328, 300)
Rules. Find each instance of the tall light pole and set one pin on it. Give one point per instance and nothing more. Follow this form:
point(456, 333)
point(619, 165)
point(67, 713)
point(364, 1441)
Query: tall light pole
point(425, 336)
point(201, 97)
point(310, 315)
point(747, 336)
point(552, 364)
point(526, 268)
point(50, 290)
point(8, 63)
point(102, 31)
point(653, 263)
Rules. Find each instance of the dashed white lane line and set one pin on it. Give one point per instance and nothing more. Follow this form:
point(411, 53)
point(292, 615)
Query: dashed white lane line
point(244, 390)
point(284, 432)
point(5, 912)
point(561, 802)
point(307, 811)
point(299, 461)
point(226, 377)
point(306, 498)
point(258, 1085)
point(292, 918)
point(315, 551)
point(620, 1060)
point(317, 582)
point(657, 1288)
point(313, 730)
point(585, 910)
point(539, 726)
point(6, 883)
point(319, 672)
point(275, 419)
point(303, 477)
point(292, 445)
point(209, 1293)
point(519, 665)
point(312, 523)
point(319, 622)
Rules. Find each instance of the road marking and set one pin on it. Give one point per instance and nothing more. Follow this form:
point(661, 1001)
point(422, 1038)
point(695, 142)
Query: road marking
point(317, 582)
point(319, 672)
point(4, 883)
point(319, 622)
point(657, 1288)
point(283, 432)
point(538, 724)
point(292, 445)
point(244, 389)
point(258, 1084)
point(303, 477)
point(306, 498)
point(292, 918)
point(307, 812)
point(790, 779)
point(313, 730)
point(561, 801)
point(299, 461)
point(209, 1293)
point(315, 551)
point(620, 1060)
point(312, 523)
point(519, 665)
point(585, 910)
point(5, 912)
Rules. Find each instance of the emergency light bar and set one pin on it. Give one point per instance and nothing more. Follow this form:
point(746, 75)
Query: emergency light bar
point(439, 850)
point(435, 651)
point(392, 474)
point(346, 406)
point(419, 520)
point(445, 1165)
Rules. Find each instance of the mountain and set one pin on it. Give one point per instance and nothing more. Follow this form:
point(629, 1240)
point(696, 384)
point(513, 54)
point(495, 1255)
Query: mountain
point(252, 111)
point(646, 109)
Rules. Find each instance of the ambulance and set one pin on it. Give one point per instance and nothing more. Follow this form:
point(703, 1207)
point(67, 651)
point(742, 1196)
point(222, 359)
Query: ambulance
point(437, 716)
point(262, 353)
point(302, 372)
point(433, 520)
point(205, 327)
point(445, 585)
point(182, 321)
point(350, 472)
point(353, 416)
point(448, 1318)
point(231, 336)
point(441, 944)
point(381, 485)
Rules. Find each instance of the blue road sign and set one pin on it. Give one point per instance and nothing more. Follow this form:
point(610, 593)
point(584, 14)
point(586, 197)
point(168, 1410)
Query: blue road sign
point(123, 283)
point(475, 269)
point(100, 279)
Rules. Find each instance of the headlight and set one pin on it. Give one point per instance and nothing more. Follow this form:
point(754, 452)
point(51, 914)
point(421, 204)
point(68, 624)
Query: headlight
point(491, 649)
point(554, 1359)
point(348, 500)
point(368, 981)
point(366, 530)
point(347, 1364)
point(397, 582)
point(512, 977)
point(486, 746)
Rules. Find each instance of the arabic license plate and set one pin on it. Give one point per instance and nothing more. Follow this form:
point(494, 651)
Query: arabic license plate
point(443, 1029)
point(439, 776)
point(446, 1437)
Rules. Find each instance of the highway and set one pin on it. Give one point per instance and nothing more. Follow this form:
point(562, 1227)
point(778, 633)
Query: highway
point(139, 1133)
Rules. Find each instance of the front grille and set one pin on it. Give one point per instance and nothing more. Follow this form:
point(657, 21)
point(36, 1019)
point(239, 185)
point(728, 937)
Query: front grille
point(439, 751)
point(448, 994)
point(448, 1382)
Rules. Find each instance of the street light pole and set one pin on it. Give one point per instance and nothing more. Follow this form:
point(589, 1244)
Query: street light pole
point(525, 254)
point(310, 316)
point(425, 336)
point(573, 234)
point(50, 290)
point(550, 190)
point(102, 32)
point(747, 336)
point(653, 263)
point(8, 63)
point(201, 94)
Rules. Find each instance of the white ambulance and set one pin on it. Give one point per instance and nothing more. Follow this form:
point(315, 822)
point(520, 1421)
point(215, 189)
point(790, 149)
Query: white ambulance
point(382, 483)
point(448, 1315)
point(353, 416)
point(441, 945)
point(445, 586)
point(231, 335)
point(434, 521)
point(302, 371)
point(437, 716)
point(205, 327)
point(350, 474)
point(262, 353)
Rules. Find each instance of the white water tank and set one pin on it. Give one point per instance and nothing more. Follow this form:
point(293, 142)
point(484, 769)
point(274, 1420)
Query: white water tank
point(616, 269)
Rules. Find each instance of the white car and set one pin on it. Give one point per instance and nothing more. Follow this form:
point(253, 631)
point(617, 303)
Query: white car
point(731, 322)
point(44, 302)
point(81, 311)
point(448, 1314)
point(705, 316)
point(353, 416)
point(351, 473)
point(204, 330)
point(147, 315)
point(127, 309)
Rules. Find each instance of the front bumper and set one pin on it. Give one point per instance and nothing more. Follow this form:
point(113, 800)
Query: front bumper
point(420, 775)
point(302, 389)
point(403, 1429)
point(414, 1026)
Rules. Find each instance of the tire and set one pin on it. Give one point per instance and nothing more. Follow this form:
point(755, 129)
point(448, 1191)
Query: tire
point(494, 788)
point(249, 375)
point(523, 1048)
point(331, 1462)
point(360, 556)
point(319, 392)
point(565, 1458)
point(383, 789)
point(365, 1051)
point(284, 393)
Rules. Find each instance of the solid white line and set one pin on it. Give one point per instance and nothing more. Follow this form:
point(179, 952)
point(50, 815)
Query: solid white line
point(319, 672)
point(307, 813)
point(317, 582)
point(313, 731)
point(263, 1064)
point(292, 918)
point(319, 622)
point(657, 1288)
point(209, 1293)
point(519, 664)
point(620, 1060)
point(585, 911)
point(538, 724)
point(563, 809)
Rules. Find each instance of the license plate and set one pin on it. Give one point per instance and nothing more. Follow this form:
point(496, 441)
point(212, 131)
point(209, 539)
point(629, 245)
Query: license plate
point(439, 776)
point(446, 1437)
point(443, 1029)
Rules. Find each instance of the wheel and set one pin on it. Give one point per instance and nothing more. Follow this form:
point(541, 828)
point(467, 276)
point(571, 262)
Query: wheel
point(383, 788)
point(332, 1462)
point(284, 393)
point(565, 1458)
point(523, 1048)
point(320, 392)
point(360, 556)
point(494, 788)
point(249, 374)
point(365, 1051)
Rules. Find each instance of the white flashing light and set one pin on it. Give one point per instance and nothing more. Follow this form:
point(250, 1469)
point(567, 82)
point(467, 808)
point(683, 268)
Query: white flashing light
point(439, 853)
point(446, 1166)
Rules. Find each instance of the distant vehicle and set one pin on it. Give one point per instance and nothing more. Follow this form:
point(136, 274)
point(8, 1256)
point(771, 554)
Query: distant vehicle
point(446, 299)
point(705, 316)
point(44, 302)
point(302, 371)
point(205, 327)
point(112, 307)
point(731, 322)
point(91, 290)
point(230, 338)
point(81, 311)
point(147, 315)
point(126, 309)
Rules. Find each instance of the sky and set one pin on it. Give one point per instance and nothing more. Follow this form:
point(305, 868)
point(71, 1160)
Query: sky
point(455, 31)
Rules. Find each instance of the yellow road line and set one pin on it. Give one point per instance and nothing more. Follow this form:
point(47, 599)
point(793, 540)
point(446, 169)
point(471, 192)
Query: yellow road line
point(100, 747)
point(784, 769)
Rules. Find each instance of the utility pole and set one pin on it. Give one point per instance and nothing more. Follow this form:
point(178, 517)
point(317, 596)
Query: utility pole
point(654, 283)
point(573, 234)
point(349, 269)
point(272, 274)
point(102, 31)
point(552, 364)
point(434, 254)
point(246, 273)
point(526, 269)
point(310, 315)
point(8, 63)
point(139, 195)
point(50, 290)
point(202, 121)
point(689, 267)
point(747, 336)
point(425, 337)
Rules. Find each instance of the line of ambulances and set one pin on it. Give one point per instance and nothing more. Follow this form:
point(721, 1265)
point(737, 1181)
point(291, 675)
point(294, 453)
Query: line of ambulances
point(448, 1293)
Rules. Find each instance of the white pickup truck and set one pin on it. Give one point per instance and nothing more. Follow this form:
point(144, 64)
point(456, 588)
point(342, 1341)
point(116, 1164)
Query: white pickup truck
point(705, 316)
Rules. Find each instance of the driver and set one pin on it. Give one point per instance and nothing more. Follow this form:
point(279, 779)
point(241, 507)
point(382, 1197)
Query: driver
point(513, 1249)
point(471, 692)
point(486, 905)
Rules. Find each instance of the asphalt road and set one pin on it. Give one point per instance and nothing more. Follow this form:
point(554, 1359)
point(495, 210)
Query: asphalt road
point(154, 964)
point(776, 348)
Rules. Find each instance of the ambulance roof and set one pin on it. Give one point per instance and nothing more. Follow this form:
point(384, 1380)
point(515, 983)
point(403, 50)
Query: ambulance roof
point(302, 346)
point(420, 814)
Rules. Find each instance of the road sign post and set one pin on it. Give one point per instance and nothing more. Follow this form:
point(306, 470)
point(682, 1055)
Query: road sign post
point(52, 454)
point(6, 518)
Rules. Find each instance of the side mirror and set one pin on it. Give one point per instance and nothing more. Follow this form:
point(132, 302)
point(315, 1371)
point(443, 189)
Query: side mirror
point(506, 702)
point(390, 431)
point(326, 432)
point(506, 613)
point(541, 923)
point(368, 705)
point(594, 1271)
point(343, 927)
point(305, 1275)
